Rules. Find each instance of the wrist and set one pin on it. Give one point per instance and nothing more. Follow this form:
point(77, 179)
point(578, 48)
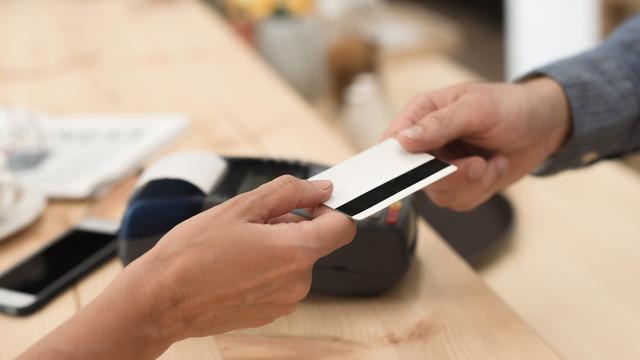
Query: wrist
point(549, 106)
point(154, 303)
point(131, 311)
point(120, 323)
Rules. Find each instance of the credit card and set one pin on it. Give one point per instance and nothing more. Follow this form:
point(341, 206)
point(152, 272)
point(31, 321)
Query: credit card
point(379, 176)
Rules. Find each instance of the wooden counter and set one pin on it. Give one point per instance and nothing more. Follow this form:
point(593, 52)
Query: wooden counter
point(143, 56)
point(569, 266)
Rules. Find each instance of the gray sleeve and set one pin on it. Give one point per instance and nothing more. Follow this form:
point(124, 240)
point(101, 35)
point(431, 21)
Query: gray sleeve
point(603, 89)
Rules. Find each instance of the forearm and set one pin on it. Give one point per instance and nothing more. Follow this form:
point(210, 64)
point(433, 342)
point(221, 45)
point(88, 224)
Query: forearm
point(237, 265)
point(117, 324)
point(602, 87)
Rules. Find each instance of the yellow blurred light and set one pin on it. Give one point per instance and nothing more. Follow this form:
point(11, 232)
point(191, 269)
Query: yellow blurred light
point(255, 9)
point(298, 7)
point(260, 9)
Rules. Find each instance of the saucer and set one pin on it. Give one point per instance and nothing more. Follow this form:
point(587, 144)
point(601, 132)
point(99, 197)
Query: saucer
point(26, 210)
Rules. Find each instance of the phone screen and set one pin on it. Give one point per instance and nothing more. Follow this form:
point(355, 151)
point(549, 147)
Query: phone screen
point(54, 261)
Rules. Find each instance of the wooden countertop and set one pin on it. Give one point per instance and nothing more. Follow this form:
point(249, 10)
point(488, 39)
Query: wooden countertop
point(142, 56)
point(568, 267)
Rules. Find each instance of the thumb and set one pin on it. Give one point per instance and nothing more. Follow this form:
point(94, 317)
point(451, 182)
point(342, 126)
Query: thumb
point(283, 195)
point(327, 231)
point(438, 129)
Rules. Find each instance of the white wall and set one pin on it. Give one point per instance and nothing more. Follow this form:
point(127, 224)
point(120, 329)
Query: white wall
point(541, 31)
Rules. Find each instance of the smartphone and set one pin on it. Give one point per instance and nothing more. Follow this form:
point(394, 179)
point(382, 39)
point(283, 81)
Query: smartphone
point(34, 281)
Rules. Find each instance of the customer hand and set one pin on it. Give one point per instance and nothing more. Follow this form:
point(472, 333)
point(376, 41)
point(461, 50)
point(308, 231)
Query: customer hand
point(241, 264)
point(246, 262)
point(494, 133)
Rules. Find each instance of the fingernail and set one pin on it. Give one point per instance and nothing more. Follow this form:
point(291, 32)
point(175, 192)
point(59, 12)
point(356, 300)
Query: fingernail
point(322, 184)
point(415, 132)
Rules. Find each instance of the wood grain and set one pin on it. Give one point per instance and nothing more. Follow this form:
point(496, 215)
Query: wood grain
point(569, 265)
point(140, 56)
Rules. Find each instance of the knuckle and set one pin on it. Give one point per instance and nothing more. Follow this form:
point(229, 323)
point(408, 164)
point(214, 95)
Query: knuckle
point(251, 201)
point(418, 107)
point(283, 185)
point(438, 119)
point(425, 102)
point(288, 183)
point(419, 100)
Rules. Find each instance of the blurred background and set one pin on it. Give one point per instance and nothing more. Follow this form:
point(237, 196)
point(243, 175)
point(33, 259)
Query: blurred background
point(92, 90)
point(358, 61)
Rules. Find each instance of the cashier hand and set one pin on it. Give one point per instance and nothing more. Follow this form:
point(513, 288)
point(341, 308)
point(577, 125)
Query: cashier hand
point(494, 133)
point(242, 264)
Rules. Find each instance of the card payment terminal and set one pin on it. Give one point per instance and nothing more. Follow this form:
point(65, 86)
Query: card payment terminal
point(184, 184)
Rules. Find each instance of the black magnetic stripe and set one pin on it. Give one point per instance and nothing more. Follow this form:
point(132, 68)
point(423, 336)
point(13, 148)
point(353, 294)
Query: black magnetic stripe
point(391, 187)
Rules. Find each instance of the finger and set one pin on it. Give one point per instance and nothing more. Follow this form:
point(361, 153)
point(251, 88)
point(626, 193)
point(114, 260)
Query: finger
point(497, 171)
point(286, 218)
point(298, 215)
point(467, 198)
point(470, 171)
point(421, 105)
point(328, 231)
point(412, 113)
point(438, 129)
point(473, 193)
point(284, 194)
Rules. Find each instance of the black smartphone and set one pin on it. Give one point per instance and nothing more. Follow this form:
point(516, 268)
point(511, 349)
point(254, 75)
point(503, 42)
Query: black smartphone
point(34, 281)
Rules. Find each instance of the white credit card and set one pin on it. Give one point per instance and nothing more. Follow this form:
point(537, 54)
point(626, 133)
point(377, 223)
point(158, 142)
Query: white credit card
point(379, 176)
